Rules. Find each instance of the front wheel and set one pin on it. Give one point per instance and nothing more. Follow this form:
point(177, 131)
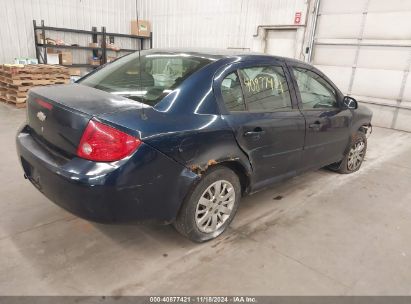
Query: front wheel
point(352, 161)
point(210, 206)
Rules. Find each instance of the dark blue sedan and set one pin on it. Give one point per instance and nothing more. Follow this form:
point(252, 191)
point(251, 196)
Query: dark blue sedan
point(180, 136)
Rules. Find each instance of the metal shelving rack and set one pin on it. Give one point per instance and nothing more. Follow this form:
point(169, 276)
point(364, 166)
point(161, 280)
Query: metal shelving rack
point(41, 49)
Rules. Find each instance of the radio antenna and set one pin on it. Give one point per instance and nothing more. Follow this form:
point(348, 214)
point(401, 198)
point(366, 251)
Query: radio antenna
point(140, 46)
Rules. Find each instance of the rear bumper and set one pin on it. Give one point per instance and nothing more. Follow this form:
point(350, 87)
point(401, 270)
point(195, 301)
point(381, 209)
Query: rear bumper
point(146, 185)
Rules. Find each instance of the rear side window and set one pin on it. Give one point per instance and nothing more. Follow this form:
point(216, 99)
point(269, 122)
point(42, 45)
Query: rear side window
point(232, 93)
point(265, 89)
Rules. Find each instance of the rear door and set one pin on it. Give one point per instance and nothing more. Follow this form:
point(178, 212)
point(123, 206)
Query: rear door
point(327, 122)
point(257, 103)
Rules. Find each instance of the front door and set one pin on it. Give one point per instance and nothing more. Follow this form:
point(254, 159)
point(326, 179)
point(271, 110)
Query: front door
point(327, 122)
point(265, 119)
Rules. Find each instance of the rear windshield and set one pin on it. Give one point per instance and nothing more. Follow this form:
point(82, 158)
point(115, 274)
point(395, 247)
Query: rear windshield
point(146, 80)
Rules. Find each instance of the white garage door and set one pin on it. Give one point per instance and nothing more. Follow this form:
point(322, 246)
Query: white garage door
point(364, 46)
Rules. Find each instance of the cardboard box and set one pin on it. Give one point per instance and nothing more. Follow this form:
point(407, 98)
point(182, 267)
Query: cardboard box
point(50, 41)
point(111, 58)
point(32, 61)
point(52, 58)
point(93, 44)
point(112, 47)
point(20, 61)
point(94, 61)
point(65, 58)
point(40, 38)
point(52, 51)
point(140, 29)
point(75, 72)
point(26, 61)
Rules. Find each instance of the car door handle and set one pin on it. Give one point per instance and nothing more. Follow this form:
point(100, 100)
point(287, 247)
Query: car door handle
point(315, 125)
point(256, 131)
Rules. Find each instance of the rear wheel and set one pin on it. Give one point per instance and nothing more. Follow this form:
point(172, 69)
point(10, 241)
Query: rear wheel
point(355, 156)
point(210, 206)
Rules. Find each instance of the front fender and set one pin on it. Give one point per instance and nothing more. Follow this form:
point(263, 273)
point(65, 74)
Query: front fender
point(361, 117)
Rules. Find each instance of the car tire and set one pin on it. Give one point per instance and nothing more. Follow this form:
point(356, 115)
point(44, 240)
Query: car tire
point(210, 206)
point(355, 154)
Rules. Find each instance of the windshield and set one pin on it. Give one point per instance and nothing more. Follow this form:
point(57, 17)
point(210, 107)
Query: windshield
point(148, 82)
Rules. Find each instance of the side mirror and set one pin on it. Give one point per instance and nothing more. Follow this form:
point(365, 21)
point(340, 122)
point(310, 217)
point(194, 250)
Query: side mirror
point(350, 103)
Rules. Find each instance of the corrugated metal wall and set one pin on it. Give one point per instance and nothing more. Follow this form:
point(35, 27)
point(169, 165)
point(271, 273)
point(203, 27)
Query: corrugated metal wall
point(175, 23)
point(216, 23)
point(16, 31)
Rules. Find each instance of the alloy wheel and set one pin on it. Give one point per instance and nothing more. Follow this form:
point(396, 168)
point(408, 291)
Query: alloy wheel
point(215, 206)
point(356, 156)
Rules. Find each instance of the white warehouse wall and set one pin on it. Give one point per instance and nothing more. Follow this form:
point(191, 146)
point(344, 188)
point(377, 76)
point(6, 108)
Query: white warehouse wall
point(16, 32)
point(218, 23)
point(175, 23)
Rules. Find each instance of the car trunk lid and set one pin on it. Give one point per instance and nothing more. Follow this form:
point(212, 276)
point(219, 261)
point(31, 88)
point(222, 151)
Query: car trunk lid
point(58, 115)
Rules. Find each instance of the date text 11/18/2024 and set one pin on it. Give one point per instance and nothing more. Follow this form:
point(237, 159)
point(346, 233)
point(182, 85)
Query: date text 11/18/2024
point(203, 299)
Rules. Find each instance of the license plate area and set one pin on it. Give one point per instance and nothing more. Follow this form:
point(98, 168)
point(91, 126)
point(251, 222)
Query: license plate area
point(31, 173)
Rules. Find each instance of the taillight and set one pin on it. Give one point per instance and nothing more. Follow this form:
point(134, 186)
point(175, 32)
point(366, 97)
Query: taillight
point(103, 143)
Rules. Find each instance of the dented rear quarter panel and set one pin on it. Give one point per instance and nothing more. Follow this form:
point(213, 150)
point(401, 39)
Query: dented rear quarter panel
point(196, 141)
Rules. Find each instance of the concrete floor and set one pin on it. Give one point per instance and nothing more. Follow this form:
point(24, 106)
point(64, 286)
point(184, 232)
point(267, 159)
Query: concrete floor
point(319, 234)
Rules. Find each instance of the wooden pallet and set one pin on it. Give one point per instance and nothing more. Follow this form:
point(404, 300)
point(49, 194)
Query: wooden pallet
point(17, 80)
point(33, 69)
point(17, 105)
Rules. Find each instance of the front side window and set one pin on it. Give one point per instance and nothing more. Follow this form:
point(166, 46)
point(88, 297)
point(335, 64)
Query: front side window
point(265, 89)
point(314, 90)
point(232, 93)
point(146, 79)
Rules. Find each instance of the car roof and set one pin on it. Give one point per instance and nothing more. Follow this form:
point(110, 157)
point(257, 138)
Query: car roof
point(216, 54)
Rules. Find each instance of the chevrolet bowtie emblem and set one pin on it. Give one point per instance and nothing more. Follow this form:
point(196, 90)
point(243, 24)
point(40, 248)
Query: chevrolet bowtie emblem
point(41, 116)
